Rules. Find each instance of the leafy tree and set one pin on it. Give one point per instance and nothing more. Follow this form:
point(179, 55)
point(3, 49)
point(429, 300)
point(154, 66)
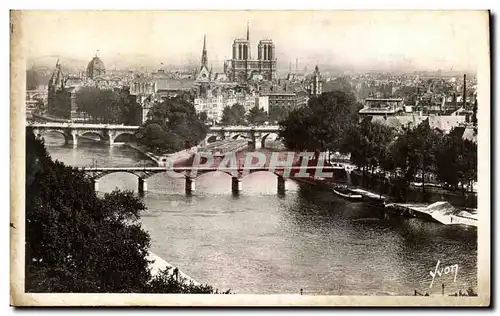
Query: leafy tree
point(367, 143)
point(277, 113)
point(174, 125)
point(109, 106)
point(339, 84)
point(78, 242)
point(322, 124)
point(234, 115)
point(414, 152)
point(257, 115)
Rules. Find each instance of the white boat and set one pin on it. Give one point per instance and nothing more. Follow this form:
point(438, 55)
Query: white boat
point(347, 194)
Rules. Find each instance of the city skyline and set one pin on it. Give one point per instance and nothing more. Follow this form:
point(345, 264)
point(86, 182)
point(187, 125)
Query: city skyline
point(344, 40)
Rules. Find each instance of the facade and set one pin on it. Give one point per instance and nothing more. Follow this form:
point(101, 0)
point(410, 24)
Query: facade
point(282, 99)
point(242, 68)
point(382, 106)
point(63, 88)
point(214, 104)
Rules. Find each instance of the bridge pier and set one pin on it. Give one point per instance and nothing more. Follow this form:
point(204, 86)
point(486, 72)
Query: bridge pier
point(71, 139)
point(236, 186)
point(142, 185)
point(96, 185)
point(281, 185)
point(190, 185)
point(108, 140)
point(348, 177)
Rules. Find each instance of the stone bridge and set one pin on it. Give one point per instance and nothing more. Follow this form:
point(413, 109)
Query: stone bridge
point(107, 133)
point(256, 135)
point(190, 174)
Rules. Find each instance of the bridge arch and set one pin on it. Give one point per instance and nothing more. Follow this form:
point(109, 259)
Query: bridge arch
point(268, 136)
point(206, 172)
point(42, 132)
point(91, 133)
point(119, 137)
point(212, 138)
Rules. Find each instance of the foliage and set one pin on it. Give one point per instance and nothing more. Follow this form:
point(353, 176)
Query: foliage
point(322, 124)
point(233, 115)
point(257, 115)
point(174, 125)
point(339, 84)
point(108, 106)
point(203, 117)
point(368, 144)
point(277, 113)
point(166, 281)
point(456, 161)
point(78, 242)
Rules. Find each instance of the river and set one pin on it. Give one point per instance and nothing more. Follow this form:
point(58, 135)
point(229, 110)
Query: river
point(261, 243)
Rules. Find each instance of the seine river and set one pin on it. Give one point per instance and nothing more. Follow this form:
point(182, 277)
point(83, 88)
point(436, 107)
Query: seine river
point(260, 243)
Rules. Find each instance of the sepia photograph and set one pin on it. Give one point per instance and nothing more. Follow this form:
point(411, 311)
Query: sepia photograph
point(250, 158)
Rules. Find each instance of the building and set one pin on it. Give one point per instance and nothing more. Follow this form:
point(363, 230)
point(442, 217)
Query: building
point(213, 104)
point(316, 85)
point(382, 106)
point(242, 68)
point(63, 89)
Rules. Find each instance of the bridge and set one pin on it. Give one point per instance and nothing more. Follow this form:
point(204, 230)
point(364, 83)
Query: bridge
point(190, 174)
point(256, 135)
point(71, 131)
point(108, 134)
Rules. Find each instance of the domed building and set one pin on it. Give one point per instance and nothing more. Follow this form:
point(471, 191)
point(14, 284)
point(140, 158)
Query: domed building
point(95, 68)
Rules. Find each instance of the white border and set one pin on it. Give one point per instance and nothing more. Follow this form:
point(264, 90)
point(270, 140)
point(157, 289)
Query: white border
point(146, 4)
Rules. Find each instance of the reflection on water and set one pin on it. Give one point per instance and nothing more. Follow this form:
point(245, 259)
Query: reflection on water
point(310, 239)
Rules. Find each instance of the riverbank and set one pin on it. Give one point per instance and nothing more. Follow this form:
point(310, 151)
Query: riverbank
point(159, 264)
point(441, 211)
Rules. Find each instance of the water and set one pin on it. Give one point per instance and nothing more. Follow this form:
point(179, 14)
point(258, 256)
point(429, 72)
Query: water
point(261, 243)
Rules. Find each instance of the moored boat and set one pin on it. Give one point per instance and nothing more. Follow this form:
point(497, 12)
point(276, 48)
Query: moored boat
point(346, 193)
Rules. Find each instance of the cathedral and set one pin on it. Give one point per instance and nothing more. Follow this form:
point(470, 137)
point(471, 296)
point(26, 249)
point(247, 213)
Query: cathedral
point(242, 68)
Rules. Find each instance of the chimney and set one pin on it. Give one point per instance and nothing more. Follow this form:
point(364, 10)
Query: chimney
point(463, 95)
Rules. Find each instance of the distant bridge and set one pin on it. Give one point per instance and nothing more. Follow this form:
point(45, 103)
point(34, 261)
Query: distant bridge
point(190, 174)
point(108, 133)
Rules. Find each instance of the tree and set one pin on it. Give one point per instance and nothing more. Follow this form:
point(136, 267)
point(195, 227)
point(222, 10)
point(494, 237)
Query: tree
point(78, 242)
point(414, 152)
point(367, 143)
point(322, 124)
point(277, 113)
point(234, 115)
point(174, 125)
point(257, 115)
point(203, 116)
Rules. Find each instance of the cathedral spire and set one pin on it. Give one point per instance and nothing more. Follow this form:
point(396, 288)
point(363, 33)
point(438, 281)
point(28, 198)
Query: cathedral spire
point(204, 60)
point(248, 31)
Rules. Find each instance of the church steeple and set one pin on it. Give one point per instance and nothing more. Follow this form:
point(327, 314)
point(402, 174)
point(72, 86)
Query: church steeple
point(248, 31)
point(204, 60)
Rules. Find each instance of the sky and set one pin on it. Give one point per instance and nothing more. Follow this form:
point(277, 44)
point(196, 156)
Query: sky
point(367, 40)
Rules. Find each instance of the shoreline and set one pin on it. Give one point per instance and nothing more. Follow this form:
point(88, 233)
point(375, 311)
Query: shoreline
point(160, 264)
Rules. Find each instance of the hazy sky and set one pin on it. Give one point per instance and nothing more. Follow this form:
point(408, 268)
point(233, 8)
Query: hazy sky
point(446, 40)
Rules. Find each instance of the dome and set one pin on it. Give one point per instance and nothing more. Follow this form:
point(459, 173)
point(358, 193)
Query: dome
point(95, 68)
